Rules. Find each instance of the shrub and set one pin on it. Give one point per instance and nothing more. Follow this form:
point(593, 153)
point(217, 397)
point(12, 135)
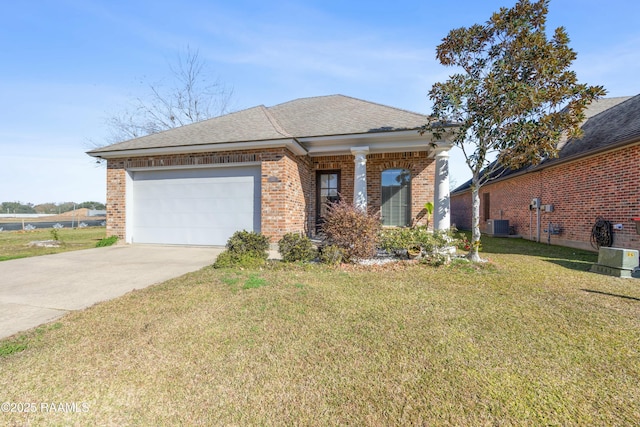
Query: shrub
point(249, 243)
point(294, 247)
point(330, 254)
point(353, 230)
point(228, 259)
point(245, 249)
point(107, 241)
point(399, 239)
point(54, 234)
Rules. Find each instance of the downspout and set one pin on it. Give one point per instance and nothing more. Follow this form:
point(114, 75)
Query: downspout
point(541, 195)
point(538, 222)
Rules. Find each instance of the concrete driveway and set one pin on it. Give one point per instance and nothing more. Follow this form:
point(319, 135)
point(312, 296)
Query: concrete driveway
point(37, 290)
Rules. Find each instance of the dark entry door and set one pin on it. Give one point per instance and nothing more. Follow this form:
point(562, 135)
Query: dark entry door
point(327, 191)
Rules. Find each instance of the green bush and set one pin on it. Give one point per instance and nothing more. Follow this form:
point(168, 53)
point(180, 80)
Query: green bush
point(245, 249)
point(330, 254)
point(249, 243)
point(353, 230)
point(107, 241)
point(295, 247)
point(228, 259)
point(399, 239)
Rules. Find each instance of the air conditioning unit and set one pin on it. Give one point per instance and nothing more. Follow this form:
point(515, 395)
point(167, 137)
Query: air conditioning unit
point(497, 227)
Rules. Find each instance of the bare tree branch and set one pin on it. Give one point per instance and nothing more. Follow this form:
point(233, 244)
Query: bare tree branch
point(192, 96)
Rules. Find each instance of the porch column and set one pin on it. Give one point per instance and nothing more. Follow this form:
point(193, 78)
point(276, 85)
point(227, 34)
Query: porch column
point(442, 205)
point(360, 177)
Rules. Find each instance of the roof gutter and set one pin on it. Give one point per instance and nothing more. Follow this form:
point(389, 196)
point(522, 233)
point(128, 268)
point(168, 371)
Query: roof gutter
point(292, 144)
point(558, 161)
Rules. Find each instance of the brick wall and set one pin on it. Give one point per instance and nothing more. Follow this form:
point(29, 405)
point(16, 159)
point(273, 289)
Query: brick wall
point(461, 212)
point(116, 203)
point(286, 194)
point(422, 170)
point(280, 170)
point(606, 185)
point(288, 183)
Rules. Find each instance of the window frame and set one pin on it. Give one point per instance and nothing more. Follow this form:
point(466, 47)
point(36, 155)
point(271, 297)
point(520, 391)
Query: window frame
point(394, 221)
point(319, 202)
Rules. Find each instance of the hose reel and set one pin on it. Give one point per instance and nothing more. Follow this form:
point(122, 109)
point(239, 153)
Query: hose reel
point(601, 233)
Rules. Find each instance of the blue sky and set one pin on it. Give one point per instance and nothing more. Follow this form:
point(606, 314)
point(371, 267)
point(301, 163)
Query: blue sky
point(67, 65)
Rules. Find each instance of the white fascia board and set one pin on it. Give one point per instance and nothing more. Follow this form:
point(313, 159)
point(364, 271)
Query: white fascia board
point(291, 144)
point(382, 142)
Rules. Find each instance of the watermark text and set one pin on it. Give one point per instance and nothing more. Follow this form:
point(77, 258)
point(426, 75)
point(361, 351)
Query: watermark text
point(46, 407)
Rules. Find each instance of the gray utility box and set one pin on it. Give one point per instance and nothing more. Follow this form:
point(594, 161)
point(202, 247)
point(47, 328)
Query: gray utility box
point(616, 262)
point(497, 227)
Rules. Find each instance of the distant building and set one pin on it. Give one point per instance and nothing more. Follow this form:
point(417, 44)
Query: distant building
point(595, 176)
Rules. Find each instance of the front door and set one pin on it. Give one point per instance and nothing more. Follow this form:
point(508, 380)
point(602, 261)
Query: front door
point(327, 191)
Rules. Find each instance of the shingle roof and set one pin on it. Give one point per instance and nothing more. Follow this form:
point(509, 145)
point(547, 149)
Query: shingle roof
point(619, 123)
point(247, 125)
point(603, 104)
point(305, 117)
point(342, 115)
point(610, 121)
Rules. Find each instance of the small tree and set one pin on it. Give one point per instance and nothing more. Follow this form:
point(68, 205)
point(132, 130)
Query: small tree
point(514, 97)
point(191, 97)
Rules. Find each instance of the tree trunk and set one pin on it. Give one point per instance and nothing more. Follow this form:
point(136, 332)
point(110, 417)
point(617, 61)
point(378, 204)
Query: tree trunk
point(473, 254)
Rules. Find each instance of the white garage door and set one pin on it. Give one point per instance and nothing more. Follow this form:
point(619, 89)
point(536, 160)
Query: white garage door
point(195, 206)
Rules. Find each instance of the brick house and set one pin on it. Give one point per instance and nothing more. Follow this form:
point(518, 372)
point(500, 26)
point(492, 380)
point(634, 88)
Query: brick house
point(597, 175)
point(273, 170)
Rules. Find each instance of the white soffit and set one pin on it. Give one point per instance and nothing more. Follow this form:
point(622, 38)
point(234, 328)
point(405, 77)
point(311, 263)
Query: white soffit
point(382, 142)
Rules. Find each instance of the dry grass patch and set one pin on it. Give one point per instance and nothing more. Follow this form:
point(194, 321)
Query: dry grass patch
point(15, 244)
point(523, 340)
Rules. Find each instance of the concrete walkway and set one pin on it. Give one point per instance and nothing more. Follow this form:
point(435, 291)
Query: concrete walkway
point(40, 289)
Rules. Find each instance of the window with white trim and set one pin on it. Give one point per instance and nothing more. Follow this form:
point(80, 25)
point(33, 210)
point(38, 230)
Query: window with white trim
point(396, 197)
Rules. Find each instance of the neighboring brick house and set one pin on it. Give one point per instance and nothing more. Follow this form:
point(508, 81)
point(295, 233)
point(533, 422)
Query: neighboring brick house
point(274, 170)
point(597, 175)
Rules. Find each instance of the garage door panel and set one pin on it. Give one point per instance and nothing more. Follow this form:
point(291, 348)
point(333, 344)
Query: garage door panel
point(195, 206)
point(195, 220)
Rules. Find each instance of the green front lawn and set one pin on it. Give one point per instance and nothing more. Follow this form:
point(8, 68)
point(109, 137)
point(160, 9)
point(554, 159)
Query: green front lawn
point(530, 338)
point(15, 244)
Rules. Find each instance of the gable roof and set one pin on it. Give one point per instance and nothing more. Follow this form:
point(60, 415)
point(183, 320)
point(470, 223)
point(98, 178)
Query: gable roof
point(304, 117)
point(611, 122)
point(619, 123)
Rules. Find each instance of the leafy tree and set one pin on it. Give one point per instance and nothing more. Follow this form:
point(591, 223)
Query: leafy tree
point(46, 208)
point(514, 96)
point(16, 207)
point(66, 207)
point(193, 96)
point(91, 205)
